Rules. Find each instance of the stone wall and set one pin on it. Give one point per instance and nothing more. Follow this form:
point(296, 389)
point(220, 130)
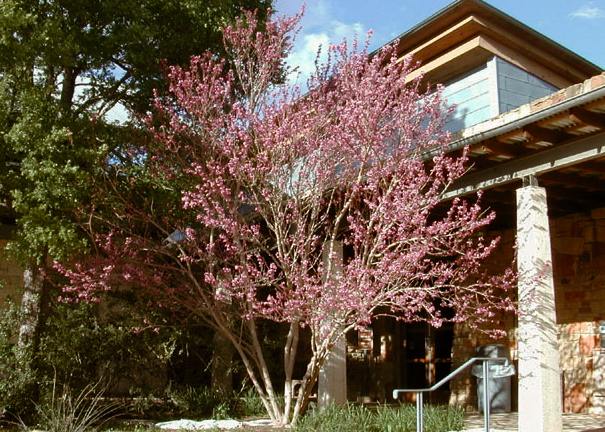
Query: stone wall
point(467, 340)
point(578, 246)
point(579, 270)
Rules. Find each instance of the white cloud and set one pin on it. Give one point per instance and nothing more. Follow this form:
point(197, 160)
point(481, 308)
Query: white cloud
point(588, 11)
point(304, 54)
point(348, 31)
point(320, 11)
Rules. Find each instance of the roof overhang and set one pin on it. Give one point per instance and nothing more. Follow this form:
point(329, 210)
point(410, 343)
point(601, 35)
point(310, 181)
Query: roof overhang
point(467, 32)
point(558, 139)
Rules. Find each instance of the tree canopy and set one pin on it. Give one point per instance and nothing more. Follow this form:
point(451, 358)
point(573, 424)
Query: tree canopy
point(318, 211)
point(64, 66)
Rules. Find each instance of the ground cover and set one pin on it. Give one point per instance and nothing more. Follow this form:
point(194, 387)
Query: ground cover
point(343, 418)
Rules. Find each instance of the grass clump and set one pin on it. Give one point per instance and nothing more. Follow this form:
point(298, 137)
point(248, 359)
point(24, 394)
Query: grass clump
point(353, 418)
point(66, 411)
point(202, 403)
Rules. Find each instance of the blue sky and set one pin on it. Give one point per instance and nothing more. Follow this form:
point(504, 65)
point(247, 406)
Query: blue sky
point(578, 25)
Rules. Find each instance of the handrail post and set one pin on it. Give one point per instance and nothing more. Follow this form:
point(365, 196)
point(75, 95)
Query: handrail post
point(419, 413)
point(486, 402)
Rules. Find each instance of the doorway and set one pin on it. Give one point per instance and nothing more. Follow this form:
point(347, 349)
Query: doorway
point(424, 355)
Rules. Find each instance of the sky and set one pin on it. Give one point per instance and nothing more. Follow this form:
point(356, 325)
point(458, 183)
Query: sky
point(578, 25)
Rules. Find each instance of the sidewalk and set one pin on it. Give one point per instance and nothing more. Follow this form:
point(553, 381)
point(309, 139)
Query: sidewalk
point(508, 422)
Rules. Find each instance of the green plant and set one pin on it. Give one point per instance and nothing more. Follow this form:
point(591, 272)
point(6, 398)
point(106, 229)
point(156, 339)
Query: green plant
point(195, 402)
point(145, 404)
point(439, 418)
point(82, 341)
point(133, 427)
point(65, 411)
point(222, 411)
point(78, 344)
point(353, 418)
point(17, 382)
point(338, 418)
point(401, 419)
point(250, 404)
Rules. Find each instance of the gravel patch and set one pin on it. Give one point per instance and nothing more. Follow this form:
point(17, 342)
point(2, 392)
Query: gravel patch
point(194, 425)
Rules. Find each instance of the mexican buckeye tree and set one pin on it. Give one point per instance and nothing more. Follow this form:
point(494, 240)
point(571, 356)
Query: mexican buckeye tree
point(268, 186)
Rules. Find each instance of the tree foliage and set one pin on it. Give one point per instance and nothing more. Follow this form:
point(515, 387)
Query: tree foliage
point(270, 184)
point(64, 66)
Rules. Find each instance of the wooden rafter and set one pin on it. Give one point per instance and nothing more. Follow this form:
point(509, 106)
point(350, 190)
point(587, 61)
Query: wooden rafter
point(536, 134)
point(498, 148)
point(588, 117)
point(573, 180)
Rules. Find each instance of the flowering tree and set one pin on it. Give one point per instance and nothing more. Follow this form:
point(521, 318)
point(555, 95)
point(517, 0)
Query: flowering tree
point(236, 206)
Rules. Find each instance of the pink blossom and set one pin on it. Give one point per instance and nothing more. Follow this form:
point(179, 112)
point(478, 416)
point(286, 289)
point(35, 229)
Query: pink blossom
point(269, 179)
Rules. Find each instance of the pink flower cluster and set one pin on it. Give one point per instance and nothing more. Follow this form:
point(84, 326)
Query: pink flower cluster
point(274, 184)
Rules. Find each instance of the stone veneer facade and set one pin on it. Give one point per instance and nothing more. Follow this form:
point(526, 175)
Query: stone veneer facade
point(579, 269)
point(578, 246)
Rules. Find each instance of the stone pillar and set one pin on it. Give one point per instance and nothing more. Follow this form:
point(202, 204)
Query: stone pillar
point(540, 405)
point(332, 385)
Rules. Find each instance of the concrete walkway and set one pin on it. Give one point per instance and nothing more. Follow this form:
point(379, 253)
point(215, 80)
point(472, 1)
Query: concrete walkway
point(508, 422)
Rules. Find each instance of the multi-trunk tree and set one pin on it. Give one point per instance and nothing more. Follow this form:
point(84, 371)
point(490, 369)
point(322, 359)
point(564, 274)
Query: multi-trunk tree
point(64, 64)
point(272, 185)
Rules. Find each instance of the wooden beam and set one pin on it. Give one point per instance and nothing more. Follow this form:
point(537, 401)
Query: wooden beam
point(452, 36)
point(546, 135)
point(498, 148)
point(453, 60)
point(593, 166)
point(518, 44)
point(573, 180)
point(566, 193)
point(574, 152)
point(588, 117)
point(524, 62)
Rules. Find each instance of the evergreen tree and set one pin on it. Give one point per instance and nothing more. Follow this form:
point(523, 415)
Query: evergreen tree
point(64, 65)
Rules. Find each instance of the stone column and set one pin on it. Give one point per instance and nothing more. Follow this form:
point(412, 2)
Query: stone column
point(540, 405)
point(332, 385)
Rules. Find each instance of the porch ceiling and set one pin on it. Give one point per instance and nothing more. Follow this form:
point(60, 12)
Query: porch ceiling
point(564, 149)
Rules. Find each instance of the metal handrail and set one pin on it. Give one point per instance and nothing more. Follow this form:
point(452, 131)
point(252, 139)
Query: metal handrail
point(486, 405)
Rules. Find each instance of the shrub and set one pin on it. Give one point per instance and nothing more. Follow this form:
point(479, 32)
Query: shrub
point(77, 346)
point(251, 405)
point(196, 402)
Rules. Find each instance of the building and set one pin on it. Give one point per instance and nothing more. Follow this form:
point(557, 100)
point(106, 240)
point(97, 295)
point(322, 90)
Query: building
point(533, 114)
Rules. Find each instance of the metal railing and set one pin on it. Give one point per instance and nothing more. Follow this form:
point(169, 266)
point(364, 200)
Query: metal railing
point(486, 403)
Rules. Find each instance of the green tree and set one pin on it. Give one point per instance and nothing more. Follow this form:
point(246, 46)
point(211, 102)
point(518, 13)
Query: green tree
point(64, 65)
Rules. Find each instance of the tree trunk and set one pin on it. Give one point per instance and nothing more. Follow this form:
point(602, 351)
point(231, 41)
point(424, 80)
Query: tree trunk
point(33, 308)
point(222, 360)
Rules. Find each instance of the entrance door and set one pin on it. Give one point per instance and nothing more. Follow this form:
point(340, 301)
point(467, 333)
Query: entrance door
point(425, 357)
